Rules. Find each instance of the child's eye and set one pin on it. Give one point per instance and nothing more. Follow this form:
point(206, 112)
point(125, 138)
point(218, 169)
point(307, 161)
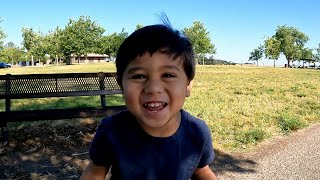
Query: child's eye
point(168, 75)
point(138, 76)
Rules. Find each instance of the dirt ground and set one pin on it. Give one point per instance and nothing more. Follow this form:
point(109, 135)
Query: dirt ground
point(47, 151)
point(59, 150)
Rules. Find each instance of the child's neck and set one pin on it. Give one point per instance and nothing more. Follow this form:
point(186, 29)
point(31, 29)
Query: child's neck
point(167, 130)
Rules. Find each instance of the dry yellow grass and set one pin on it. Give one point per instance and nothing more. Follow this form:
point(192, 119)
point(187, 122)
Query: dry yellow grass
point(234, 100)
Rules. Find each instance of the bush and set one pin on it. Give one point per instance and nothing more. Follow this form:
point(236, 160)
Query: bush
point(288, 124)
point(251, 136)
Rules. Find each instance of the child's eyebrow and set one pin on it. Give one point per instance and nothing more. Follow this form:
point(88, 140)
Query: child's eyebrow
point(171, 67)
point(133, 69)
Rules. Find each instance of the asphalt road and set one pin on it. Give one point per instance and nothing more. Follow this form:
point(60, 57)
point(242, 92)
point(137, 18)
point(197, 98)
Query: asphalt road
point(293, 157)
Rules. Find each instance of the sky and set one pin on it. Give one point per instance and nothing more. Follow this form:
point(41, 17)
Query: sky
point(235, 27)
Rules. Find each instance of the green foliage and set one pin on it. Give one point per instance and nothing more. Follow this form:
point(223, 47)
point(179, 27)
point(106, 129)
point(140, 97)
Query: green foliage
point(139, 26)
point(2, 36)
point(316, 56)
point(305, 53)
point(54, 45)
point(34, 42)
point(288, 124)
point(29, 38)
point(111, 43)
point(256, 54)
point(250, 136)
point(11, 53)
point(272, 49)
point(291, 40)
point(199, 37)
point(212, 61)
point(81, 37)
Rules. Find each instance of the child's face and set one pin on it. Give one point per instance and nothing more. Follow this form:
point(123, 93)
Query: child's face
point(154, 89)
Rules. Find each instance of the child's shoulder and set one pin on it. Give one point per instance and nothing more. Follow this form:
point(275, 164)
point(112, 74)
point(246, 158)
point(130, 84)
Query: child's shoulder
point(192, 120)
point(194, 125)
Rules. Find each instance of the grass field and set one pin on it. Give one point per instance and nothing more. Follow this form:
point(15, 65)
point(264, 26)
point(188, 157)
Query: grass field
point(242, 105)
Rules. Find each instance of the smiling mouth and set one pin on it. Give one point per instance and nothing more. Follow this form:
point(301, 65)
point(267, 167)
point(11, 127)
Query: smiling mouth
point(155, 107)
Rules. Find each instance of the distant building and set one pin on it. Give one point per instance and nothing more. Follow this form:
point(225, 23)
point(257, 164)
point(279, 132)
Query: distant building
point(90, 58)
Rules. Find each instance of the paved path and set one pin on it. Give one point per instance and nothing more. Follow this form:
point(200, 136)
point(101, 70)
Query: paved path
point(295, 157)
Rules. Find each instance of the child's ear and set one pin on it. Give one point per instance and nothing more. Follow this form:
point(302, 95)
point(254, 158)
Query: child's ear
point(189, 88)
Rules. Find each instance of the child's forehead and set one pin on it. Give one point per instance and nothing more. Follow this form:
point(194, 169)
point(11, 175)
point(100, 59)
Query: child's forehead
point(156, 60)
point(157, 56)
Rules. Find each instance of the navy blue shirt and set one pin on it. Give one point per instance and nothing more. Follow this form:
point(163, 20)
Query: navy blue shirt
point(133, 154)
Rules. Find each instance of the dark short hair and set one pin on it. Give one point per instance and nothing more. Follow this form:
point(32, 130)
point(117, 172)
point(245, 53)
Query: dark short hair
point(155, 38)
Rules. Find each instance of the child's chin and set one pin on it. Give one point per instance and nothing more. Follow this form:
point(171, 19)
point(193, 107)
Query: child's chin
point(155, 121)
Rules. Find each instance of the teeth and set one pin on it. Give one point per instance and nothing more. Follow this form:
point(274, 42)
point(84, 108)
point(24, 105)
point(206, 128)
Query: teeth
point(153, 104)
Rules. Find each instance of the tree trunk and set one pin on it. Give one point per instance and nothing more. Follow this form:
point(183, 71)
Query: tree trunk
point(274, 63)
point(68, 60)
point(288, 61)
point(31, 60)
point(86, 59)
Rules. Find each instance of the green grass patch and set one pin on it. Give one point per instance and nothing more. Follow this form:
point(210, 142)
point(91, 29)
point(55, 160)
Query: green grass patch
point(250, 136)
point(62, 102)
point(288, 124)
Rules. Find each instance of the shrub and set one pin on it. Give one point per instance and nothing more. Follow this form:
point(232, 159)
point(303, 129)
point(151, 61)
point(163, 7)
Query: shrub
point(288, 124)
point(251, 136)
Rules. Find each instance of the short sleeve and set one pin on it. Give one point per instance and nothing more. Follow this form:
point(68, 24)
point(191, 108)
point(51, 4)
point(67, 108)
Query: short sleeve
point(100, 147)
point(208, 152)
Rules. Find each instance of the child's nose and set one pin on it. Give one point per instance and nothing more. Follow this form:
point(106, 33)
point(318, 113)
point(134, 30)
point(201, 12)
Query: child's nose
point(153, 87)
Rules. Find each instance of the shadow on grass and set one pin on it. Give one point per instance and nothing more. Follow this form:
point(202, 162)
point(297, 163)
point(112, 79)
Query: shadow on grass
point(47, 151)
point(227, 163)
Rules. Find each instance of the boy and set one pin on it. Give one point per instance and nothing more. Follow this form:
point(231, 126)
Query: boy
point(154, 138)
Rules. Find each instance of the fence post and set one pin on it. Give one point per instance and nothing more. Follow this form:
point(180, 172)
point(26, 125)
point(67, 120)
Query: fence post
point(102, 87)
point(3, 123)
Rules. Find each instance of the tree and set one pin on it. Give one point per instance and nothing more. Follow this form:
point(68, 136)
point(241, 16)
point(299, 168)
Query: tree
point(139, 26)
point(316, 56)
point(256, 54)
point(81, 37)
point(2, 36)
point(306, 55)
point(291, 42)
point(272, 49)
point(11, 53)
point(33, 43)
point(199, 37)
point(111, 43)
point(53, 47)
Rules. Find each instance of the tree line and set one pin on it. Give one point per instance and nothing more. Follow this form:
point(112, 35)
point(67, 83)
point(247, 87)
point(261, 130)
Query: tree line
point(288, 41)
point(81, 37)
